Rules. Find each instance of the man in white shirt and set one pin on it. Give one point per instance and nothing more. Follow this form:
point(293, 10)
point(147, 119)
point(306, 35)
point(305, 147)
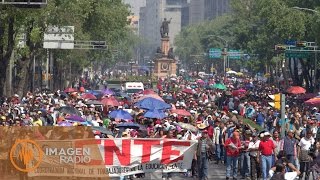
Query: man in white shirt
point(303, 151)
point(253, 149)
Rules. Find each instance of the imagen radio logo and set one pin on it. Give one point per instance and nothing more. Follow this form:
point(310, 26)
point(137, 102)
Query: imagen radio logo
point(26, 155)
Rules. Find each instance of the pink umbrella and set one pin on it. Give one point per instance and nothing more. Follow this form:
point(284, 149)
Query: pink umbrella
point(200, 81)
point(181, 112)
point(70, 90)
point(111, 101)
point(88, 96)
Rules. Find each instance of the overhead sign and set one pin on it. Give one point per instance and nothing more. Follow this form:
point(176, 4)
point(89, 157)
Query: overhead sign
point(215, 53)
point(289, 54)
point(59, 37)
point(234, 54)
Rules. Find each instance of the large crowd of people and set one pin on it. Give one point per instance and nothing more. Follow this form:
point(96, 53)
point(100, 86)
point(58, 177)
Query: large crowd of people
point(230, 118)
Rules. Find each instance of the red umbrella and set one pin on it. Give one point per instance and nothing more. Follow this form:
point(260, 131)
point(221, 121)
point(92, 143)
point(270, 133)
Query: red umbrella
point(148, 91)
point(88, 96)
point(296, 90)
point(70, 90)
point(314, 101)
point(181, 112)
point(111, 101)
point(189, 91)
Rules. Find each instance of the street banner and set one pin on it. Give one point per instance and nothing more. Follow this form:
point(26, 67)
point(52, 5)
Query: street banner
point(113, 157)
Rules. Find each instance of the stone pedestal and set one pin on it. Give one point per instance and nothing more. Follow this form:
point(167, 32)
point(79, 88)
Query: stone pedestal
point(165, 45)
point(164, 67)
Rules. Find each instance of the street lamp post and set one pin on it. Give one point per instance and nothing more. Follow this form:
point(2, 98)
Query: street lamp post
point(316, 53)
point(131, 65)
point(225, 53)
point(178, 67)
point(197, 64)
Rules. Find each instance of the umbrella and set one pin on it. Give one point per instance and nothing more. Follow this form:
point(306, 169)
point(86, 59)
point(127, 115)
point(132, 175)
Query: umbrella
point(111, 101)
point(313, 101)
point(296, 90)
point(188, 91)
point(69, 110)
point(155, 114)
point(96, 93)
point(94, 102)
point(108, 92)
point(120, 114)
point(147, 92)
point(102, 130)
point(70, 90)
point(219, 86)
point(128, 125)
point(75, 118)
point(187, 126)
point(307, 96)
point(200, 81)
point(181, 112)
point(155, 96)
point(87, 123)
point(231, 72)
point(63, 95)
point(152, 103)
point(64, 123)
point(88, 96)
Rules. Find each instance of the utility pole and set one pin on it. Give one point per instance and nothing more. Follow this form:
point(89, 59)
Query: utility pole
point(283, 114)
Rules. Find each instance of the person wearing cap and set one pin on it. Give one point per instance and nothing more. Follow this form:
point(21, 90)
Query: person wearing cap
point(233, 148)
point(266, 148)
point(204, 150)
point(253, 149)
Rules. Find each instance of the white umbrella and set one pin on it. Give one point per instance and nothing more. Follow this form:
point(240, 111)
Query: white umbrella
point(231, 72)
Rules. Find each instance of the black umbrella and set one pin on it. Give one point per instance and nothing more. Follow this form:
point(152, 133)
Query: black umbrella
point(69, 110)
point(102, 130)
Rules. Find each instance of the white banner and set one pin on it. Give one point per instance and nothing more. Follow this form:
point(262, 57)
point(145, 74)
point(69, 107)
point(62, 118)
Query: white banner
point(117, 157)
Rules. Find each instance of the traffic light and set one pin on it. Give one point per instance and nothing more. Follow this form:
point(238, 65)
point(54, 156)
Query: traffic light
point(301, 44)
point(276, 101)
point(280, 47)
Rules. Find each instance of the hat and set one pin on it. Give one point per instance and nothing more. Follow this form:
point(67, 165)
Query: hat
point(235, 112)
point(201, 126)
point(266, 134)
point(314, 108)
point(254, 134)
point(3, 117)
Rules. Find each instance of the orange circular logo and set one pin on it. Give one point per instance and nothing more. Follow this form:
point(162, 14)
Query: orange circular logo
point(26, 155)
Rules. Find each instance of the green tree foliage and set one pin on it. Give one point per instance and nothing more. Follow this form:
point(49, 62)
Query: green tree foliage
point(93, 20)
point(254, 27)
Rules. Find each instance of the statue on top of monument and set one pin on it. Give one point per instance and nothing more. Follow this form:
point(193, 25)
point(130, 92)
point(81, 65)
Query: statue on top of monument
point(164, 29)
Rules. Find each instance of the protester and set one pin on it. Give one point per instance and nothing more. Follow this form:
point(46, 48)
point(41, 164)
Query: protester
point(266, 147)
point(233, 148)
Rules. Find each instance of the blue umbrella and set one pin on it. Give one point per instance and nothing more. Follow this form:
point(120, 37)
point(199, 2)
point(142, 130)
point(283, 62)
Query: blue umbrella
point(107, 92)
point(65, 123)
point(120, 114)
point(75, 118)
point(155, 114)
point(87, 123)
point(152, 103)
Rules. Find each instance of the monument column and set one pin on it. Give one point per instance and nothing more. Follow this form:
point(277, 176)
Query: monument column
point(165, 45)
